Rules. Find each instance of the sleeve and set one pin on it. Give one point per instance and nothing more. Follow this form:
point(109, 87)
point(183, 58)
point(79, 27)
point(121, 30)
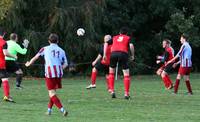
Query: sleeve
point(101, 50)
point(20, 50)
point(41, 52)
point(5, 46)
point(180, 51)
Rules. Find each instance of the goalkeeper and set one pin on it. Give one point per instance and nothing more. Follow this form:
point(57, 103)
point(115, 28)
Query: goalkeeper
point(11, 64)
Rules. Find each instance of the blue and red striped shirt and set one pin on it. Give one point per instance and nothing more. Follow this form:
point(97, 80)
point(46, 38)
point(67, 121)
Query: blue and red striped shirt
point(185, 55)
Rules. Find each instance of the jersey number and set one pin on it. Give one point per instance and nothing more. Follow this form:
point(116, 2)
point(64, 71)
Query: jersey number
point(120, 39)
point(55, 53)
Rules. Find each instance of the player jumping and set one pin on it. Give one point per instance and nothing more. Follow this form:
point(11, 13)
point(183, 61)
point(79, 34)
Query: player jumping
point(119, 53)
point(11, 64)
point(185, 56)
point(100, 64)
point(164, 70)
point(55, 62)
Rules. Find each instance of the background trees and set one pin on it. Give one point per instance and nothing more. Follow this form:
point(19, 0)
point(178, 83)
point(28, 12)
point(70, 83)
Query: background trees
point(149, 20)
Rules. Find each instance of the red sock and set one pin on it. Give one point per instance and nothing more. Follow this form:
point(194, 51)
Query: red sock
point(111, 81)
point(169, 81)
point(127, 83)
point(6, 88)
point(56, 101)
point(188, 86)
point(176, 85)
point(93, 77)
point(165, 81)
point(50, 105)
point(107, 82)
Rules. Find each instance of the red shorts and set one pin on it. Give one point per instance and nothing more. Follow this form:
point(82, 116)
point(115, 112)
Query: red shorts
point(53, 83)
point(184, 70)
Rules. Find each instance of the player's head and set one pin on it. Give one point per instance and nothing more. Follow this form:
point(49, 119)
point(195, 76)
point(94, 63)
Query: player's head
point(14, 37)
point(184, 37)
point(107, 38)
point(124, 30)
point(53, 38)
point(166, 43)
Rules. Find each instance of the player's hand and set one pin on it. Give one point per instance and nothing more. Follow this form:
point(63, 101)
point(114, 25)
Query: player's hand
point(27, 64)
point(93, 63)
point(132, 58)
point(158, 61)
point(25, 43)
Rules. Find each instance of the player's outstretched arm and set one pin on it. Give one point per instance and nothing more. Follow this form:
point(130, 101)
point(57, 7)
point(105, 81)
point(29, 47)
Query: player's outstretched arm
point(28, 63)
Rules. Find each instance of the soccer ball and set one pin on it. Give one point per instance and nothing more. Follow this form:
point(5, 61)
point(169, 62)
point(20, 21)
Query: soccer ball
point(80, 32)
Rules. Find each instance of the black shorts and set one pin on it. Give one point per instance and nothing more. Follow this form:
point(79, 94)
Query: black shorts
point(168, 68)
point(3, 73)
point(120, 57)
point(12, 66)
point(99, 66)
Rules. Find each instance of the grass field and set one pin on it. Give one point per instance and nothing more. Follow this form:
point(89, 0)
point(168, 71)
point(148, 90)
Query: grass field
point(149, 102)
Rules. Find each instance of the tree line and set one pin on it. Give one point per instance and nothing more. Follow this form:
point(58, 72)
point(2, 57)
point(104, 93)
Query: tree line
point(149, 21)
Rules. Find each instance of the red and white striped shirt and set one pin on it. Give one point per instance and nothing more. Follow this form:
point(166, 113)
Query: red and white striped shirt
point(54, 58)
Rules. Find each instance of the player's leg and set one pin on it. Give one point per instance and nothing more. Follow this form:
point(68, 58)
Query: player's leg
point(187, 80)
point(93, 78)
point(52, 85)
point(164, 79)
point(111, 77)
point(127, 82)
point(5, 85)
point(177, 83)
point(19, 76)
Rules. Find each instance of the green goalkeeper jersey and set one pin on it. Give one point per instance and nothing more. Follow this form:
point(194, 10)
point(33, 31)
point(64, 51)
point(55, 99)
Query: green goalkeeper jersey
point(14, 48)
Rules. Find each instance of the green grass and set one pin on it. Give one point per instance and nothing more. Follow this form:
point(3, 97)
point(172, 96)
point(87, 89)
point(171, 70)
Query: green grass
point(149, 102)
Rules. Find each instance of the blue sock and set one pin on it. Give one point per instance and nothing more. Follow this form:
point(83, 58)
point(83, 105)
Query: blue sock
point(62, 110)
point(49, 110)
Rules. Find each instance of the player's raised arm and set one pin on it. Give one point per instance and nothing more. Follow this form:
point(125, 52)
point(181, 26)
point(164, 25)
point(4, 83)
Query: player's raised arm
point(40, 53)
point(28, 63)
point(132, 49)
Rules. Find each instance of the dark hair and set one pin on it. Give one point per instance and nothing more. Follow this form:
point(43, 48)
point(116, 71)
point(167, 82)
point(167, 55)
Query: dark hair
point(124, 30)
point(13, 36)
point(185, 36)
point(168, 41)
point(53, 38)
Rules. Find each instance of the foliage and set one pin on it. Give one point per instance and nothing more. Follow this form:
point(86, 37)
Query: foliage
point(149, 21)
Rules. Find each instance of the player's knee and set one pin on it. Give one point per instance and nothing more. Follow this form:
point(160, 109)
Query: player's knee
point(158, 72)
point(178, 76)
point(19, 72)
point(126, 72)
point(94, 69)
point(111, 70)
point(163, 74)
point(52, 93)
